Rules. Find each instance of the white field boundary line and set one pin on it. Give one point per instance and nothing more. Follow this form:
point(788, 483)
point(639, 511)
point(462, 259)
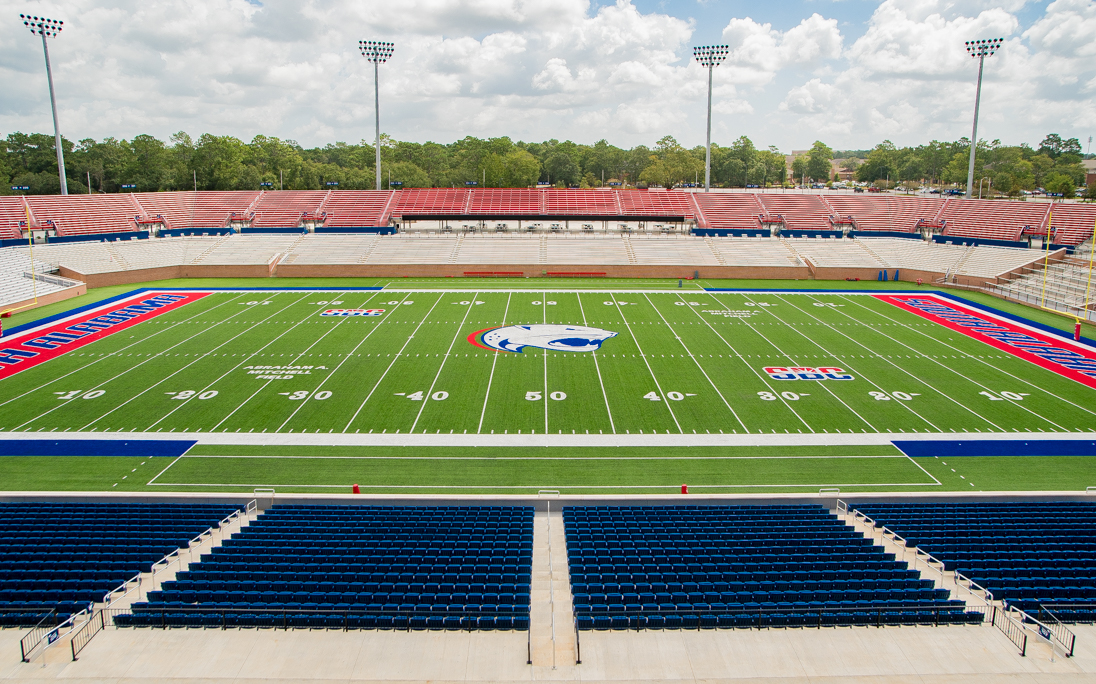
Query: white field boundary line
point(665, 401)
point(294, 362)
point(973, 358)
point(157, 475)
point(151, 358)
point(433, 384)
point(183, 368)
point(697, 362)
point(128, 346)
point(597, 367)
point(554, 458)
point(923, 469)
point(546, 486)
point(345, 359)
point(827, 352)
point(780, 351)
point(494, 361)
point(544, 352)
point(738, 355)
point(525, 440)
point(394, 360)
point(873, 354)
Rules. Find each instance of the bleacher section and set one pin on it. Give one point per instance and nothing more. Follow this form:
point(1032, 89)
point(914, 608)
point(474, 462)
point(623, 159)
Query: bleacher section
point(834, 253)
point(15, 286)
point(65, 556)
point(1026, 553)
point(84, 214)
point(248, 248)
point(357, 209)
point(680, 250)
point(13, 217)
point(655, 204)
point(359, 567)
point(729, 211)
point(190, 210)
point(1073, 223)
point(504, 202)
point(338, 248)
point(753, 252)
point(738, 566)
point(800, 212)
point(992, 220)
point(285, 209)
point(890, 213)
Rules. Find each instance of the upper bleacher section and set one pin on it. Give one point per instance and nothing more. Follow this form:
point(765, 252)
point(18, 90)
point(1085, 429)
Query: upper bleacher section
point(733, 213)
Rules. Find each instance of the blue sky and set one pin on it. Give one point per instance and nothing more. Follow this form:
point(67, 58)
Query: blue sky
point(850, 72)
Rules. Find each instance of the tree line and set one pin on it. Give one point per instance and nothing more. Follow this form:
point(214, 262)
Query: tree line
point(145, 163)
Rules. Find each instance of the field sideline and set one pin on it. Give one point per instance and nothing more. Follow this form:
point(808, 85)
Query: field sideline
point(670, 367)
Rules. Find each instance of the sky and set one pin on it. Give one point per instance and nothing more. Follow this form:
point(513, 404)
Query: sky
point(850, 73)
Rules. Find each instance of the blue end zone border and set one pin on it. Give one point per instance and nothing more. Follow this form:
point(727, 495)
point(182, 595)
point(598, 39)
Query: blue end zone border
point(172, 448)
point(997, 447)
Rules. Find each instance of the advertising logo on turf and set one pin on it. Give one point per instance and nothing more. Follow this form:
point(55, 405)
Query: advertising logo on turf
point(515, 338)
point(352, 312)
point(778, 373)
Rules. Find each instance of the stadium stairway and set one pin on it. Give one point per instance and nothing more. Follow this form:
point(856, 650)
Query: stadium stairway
point(551, 618)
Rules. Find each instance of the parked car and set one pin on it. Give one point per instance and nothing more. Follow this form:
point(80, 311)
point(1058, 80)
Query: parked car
point(858, 189)
point(874, 189)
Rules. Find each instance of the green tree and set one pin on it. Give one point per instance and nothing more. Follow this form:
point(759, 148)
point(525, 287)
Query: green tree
point(818, 161)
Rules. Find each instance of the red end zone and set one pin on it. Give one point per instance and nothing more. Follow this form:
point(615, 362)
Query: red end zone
point(29, 349)
point(1074, 361)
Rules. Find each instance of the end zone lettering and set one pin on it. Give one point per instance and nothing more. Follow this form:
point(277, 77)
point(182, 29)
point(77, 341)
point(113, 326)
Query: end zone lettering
point(779, 373)
point(38, 346)
point(1077, 362)
point(353, 312)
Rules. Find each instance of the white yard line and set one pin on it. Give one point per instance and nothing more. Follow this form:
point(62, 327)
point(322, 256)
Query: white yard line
point(394, 360)
point(550, 486)
point(548, 458)
point(448, 351)
point(973, 358)
point(160, 381)
point(923, 470)
point(131, 368)
point(295, 360)
point(879, 356)
point(608, 410)
point(775, 392)
point(157, 475)
point(860, 373)
point(112, 354)
point(345, 359)
point(665, 401)
point(782, 353)
point(494, 361)
point(544, 314)
point(690, 353)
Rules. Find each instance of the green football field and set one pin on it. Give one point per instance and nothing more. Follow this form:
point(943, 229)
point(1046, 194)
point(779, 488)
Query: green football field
point(687, 387)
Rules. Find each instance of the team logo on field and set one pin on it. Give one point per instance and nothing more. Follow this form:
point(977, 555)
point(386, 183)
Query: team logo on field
point(778, 373)
point(353, 312)
point(514, 338)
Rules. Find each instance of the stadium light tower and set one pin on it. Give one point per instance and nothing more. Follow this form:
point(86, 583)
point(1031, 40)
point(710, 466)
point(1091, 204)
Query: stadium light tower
point(378, 53)
point(979, 49)
point(49, 28)
point(710, 56)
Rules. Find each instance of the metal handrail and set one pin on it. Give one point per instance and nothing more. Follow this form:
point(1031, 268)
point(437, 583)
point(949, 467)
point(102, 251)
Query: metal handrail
point(23, 650)
point(1011, 628)
point(85, 634)
point(928, 558)
point(46, 635)
point(1056, 632)
point(108, 597)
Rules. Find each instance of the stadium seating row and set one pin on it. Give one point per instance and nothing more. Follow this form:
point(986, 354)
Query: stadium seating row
point(90, 214)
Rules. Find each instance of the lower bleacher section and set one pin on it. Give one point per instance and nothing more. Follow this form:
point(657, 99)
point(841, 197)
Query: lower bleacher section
point(1030, 555)
point(358, 567)
point(66, 556)
point(694, 567)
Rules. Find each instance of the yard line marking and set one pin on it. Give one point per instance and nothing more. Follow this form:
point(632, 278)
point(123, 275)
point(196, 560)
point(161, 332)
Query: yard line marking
point(924, 471)
point(345, 359)
point(782, 353)
point(127, 370)
point(129, 346)
point(437, 375)
point(164, 470)
point(545, 458)
point(295, 360)
point(671, 487)
point(872, 383)
point(180, 370)
point(974, 357)
point(396, 358)
point(915, 377)
point(494, 361)
point(697, 362)
point(753, 370)
point(597, 368)
point(665, 401)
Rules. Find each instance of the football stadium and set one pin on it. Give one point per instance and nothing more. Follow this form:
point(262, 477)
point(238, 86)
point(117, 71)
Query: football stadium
point(495, 434)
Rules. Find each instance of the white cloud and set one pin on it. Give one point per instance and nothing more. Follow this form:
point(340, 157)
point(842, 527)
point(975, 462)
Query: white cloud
point(758, 51)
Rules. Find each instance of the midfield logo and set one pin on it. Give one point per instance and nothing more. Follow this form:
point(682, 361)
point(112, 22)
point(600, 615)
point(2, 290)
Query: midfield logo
point(515, 338)
point(778, 373)
point(353, 312)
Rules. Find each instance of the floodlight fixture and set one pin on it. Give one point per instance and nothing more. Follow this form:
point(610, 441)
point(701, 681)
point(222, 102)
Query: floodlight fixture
point(710, 56)
point(377, 52)
point(50, 28)
point(978, 49)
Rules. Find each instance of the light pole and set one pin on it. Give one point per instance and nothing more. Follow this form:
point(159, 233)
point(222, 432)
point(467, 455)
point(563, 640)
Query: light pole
point(979, 49)
point(378, 53)
point(710, 56)
point(49, 28)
